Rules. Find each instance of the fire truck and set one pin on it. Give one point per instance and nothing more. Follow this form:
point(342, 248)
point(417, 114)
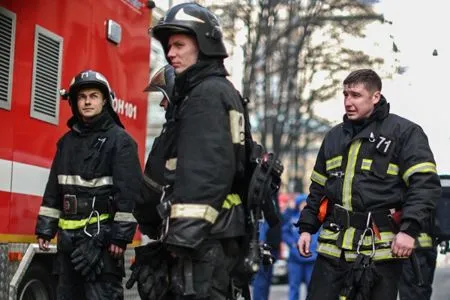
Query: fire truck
point(43, 44)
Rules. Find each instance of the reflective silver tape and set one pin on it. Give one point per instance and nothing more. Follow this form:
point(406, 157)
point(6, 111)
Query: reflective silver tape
point(49, 212)
point(77, 180)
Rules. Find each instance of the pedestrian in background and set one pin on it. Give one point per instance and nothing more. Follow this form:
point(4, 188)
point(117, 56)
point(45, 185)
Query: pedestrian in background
point(299, 267)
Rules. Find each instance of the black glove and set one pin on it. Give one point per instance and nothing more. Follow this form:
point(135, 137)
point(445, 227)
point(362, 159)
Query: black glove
point(87, 257)
point(150, 270)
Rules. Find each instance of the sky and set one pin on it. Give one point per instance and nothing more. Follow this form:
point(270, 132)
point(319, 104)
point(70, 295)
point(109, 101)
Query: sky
point(420, 94)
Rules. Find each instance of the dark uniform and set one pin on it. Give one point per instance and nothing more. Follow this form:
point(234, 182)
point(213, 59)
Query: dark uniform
point(381, 165)
point(204, 163)
point(154, 181)
point(95, 177)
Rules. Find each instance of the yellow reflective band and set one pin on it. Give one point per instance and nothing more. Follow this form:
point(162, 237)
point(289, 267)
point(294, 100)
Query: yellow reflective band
point(237, 127)
point(393, 169)
point(347, 242)
point(327, 234)
point(77, 224)
point(171, 164)
point(425, 240)
point(329, 249)
point(380, 254)
point(349, 173)
point(231, 200)
point(49, 212)
point(334, 163)
point(366, 164)
point(386, 236)
point(318, 178)
point(342, 298)
point(426, 167)
point(196, 211)
point(77, 180)
point(124, 217)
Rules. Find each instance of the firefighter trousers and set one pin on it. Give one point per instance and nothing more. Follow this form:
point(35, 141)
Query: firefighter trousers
point(408, 287)
point(72, 286)
point(328, 279)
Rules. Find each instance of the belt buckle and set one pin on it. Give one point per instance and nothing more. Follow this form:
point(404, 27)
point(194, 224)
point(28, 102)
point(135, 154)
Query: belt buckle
point(341, 216)
point(70, 204)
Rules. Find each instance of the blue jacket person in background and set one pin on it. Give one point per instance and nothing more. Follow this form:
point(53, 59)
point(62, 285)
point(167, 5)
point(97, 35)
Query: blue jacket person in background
point(299, 267)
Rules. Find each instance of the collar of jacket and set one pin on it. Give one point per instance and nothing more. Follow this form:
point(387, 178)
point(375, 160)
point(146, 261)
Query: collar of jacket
point(102, 122)
point(380, 112)
point(195, 74)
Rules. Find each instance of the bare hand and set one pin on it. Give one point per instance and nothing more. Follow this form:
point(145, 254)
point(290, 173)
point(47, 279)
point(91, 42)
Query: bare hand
point(402, 245)
point(304, 243)
point(43, 244)
point(115, 251)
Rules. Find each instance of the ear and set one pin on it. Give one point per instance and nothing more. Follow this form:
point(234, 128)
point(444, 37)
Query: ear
point(376, 97)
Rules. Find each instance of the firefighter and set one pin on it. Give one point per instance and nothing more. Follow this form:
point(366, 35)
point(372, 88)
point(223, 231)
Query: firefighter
point(204, 164)
point(374, 189)
point(145, 212)
point(89, 198)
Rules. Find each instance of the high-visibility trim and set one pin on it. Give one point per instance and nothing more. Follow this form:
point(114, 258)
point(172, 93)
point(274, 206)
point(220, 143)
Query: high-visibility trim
point(318, 178)
point(328, 235)
point(237, 127)
point(393, 169)
point(152, 184)
point(349, 173)
point(79, 181)
point(77, 224)
point(171, 164)
point(366, 164)
point(350, 255)
point(380, 254)
point(349, 235)
point(426, 167)
point(329, 249)
point(196, 211)
point(425, 240)
point(231, 200)
point(49, 212)
point(124, 217)
point(334, 162)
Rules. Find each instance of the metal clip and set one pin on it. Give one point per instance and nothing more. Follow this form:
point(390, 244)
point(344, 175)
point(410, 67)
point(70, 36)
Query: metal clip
point(94, 213)
point(364, 234)
point(339, 174)
point(165, 228)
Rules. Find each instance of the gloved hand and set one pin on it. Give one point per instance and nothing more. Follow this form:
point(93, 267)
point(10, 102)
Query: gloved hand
point(87, 257)
point(150, 270)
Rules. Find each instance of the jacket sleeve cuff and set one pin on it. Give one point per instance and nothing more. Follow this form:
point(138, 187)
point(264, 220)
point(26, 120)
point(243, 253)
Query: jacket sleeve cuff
point(121, 243)
point(411, 228)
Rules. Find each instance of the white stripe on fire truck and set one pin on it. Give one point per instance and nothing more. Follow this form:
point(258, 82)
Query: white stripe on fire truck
point(22, 178)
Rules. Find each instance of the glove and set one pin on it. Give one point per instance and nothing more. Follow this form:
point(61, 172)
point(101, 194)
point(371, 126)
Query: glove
point(150, 270)
point(87, 257)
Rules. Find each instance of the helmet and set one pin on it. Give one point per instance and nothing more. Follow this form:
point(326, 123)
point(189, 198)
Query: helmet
point(91, 79)
point(163, 81)
point(192, 18)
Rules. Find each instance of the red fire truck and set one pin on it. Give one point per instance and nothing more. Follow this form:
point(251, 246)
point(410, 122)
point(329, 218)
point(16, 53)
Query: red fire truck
point(43, 44)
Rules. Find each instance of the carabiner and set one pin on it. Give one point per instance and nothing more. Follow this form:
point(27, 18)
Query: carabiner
point(364, 234)
point(91, 215)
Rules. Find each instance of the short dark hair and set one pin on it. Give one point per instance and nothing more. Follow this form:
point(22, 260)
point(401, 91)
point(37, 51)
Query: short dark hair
point(368, 77)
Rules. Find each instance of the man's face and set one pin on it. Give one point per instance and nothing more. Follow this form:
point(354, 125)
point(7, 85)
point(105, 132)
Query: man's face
point(164, 103)
point(183, 52)
point(90, 103)
point(359, 102)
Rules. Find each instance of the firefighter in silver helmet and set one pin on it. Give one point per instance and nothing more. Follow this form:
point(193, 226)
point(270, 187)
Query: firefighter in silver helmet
point(90, 194)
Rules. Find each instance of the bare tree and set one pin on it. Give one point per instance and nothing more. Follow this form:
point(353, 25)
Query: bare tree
point(294, 58)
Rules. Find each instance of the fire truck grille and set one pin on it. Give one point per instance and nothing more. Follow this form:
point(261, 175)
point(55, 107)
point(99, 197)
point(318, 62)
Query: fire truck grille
point(7, 30)
point(46, 75)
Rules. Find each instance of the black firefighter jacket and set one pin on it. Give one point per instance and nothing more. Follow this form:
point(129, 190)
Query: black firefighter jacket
point(205, 159)
point(385, 164)
point(101, 162)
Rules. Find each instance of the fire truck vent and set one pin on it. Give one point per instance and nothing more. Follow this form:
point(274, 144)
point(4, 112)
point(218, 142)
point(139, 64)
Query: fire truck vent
point(7, 36)
point(46, 75)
